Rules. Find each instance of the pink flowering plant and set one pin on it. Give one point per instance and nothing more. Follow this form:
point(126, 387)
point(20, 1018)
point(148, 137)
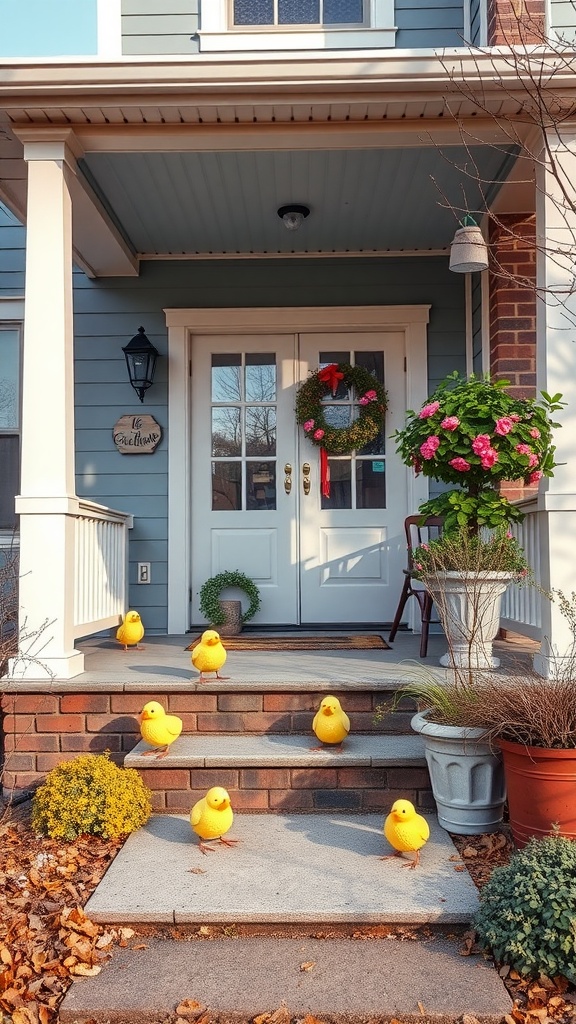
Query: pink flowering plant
point(473, 434)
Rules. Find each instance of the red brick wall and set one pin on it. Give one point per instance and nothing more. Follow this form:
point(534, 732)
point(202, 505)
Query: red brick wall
point(513, 312)
point(511, 21)
point(42, 730)
point(291, 789)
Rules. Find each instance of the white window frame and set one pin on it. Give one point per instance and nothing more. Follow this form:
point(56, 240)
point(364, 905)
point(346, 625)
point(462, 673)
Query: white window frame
point(218, 33)
point(12, 316)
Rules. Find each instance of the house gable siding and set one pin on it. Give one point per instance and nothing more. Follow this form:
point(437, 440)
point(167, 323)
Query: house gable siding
point(12, 255)
point(159, 26)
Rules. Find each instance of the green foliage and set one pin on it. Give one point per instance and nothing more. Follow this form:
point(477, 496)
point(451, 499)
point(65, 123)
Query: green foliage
point(527, 910)
point(211, 590)
point(471, 554)
point(472, 433)
point(91, 795)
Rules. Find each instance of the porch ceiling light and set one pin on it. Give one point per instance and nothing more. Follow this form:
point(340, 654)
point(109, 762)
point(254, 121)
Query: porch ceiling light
point(141, 359)
point(293, 215)
point(468, 251)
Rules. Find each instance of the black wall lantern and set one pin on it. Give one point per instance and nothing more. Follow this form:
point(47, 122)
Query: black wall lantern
point(141, 359)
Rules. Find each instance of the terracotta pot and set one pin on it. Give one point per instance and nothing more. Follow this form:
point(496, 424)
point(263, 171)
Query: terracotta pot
point(541, 786)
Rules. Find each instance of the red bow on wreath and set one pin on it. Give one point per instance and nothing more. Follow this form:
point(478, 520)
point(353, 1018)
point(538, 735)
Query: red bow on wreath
point(332, 376)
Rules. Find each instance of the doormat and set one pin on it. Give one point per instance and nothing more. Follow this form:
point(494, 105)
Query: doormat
point(301, 643)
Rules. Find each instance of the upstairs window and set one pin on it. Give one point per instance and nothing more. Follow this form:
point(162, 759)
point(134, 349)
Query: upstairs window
point(318, 13)
point(295, 25)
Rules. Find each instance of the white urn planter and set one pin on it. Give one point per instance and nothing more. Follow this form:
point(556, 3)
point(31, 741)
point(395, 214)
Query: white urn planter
point(469, 609)
point(466, 775)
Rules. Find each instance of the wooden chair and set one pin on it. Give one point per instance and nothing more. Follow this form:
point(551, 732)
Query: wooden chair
point(419, 530)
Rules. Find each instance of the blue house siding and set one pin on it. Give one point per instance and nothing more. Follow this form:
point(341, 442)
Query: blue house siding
point(429, 23)
point(109, 312)
point(159, 26)
point(12, 255)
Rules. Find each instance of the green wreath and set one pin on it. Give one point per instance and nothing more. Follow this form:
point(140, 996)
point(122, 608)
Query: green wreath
point(210, 595)
point(310, 410)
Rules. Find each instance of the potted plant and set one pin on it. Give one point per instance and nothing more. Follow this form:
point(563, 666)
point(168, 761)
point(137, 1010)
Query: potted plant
point(473, 435)
point(228, 614)
point(466, 771)
point(532, 720)
point(467, 574)
point(527, 719)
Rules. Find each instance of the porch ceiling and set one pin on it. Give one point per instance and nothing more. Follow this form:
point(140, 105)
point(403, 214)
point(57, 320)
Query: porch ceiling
point(208, 203)
point(182, 162)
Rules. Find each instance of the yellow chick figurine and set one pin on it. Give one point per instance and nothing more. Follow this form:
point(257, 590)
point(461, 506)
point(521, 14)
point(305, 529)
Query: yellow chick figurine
point(131, 631)
point(209, 655)
point(157, 728)
point(406, 830)
point(331, 723)
point(212, 816)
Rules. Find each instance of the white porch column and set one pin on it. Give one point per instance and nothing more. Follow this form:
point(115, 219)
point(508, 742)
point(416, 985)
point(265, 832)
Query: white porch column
point(556, 372)
point(47, 490)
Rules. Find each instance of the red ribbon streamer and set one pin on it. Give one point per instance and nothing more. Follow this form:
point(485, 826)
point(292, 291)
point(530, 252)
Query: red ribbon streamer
point(332, 376)
point(324, 473)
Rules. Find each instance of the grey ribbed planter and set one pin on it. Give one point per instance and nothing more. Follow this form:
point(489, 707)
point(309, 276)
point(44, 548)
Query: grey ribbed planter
point(467, 777)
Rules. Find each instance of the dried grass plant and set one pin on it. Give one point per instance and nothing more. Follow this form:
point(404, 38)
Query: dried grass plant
point(521, 707)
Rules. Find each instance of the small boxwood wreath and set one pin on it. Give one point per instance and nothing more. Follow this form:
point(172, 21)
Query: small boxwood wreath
point(210, 595)
point(310, 412)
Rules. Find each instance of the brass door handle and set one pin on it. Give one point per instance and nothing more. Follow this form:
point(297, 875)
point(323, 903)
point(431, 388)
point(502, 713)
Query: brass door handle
point(287, 478)
point(306, 477)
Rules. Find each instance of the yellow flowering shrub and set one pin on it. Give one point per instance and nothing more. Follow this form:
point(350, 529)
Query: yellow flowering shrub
point(91, 794)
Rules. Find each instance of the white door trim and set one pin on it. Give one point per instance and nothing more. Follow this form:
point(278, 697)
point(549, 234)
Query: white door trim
point(182, 323)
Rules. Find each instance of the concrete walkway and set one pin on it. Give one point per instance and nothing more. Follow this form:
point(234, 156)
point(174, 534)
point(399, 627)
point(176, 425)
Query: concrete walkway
point(290, 869)
point(345, 981)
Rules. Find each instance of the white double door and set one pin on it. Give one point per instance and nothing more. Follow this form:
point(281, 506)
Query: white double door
point(256, 491)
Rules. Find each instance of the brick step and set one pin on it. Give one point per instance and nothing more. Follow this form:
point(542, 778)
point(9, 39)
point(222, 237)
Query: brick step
point(272, 773)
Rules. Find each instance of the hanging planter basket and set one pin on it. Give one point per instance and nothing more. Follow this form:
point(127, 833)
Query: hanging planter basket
point(468, 252)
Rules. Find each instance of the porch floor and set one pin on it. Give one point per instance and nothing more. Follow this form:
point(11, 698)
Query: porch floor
point(164, 661)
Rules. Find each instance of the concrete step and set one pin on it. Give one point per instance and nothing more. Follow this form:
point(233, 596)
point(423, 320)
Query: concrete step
point(287, 869)
point(236, 979)
point(277, 772)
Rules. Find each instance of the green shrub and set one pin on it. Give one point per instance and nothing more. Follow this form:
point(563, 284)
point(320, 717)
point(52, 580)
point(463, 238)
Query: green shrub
point(91, 795)
point(527, 910)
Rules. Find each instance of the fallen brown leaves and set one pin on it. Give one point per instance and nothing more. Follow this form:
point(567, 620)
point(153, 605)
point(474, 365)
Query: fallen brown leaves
point(45, 937)
point(544, 1001)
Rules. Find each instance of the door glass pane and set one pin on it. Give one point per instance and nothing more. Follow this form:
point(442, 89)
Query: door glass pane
point(372, 361)
point(298, 12)
point(338, 416)
point(253, 12)
point(343, 12)
point(370, 483)
point(261, 430)
point(226, 486)
point(260, 485)
point(10, 477)
point(377, 446)
point(326, 359)
point(226, 378)
point(9, 388)
point(261, 378)
point(226, 433)
point(340, 484)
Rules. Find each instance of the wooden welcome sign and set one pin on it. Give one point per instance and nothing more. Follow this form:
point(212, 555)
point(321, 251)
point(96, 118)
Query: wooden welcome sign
point(136, 435)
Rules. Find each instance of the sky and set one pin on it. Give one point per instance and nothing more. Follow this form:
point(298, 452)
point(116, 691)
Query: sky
point(47, 28)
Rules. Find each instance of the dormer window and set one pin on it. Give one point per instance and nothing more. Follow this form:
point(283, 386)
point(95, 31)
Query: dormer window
point(317, 13)
point(295, 25)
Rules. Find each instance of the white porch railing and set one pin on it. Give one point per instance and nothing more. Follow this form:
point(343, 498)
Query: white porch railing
point(100, 567)
point(521, 612)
